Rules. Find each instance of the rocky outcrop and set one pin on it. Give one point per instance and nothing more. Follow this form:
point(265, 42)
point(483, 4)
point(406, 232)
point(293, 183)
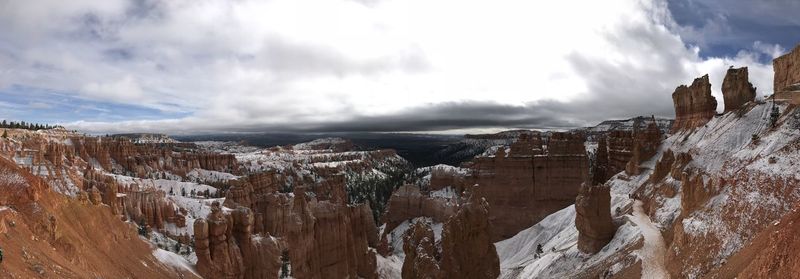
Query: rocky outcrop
point(645, 146)
point(525, 188)
point(593, 218)
point(620, 151)
point(260, 254)
point(421, 254)
point(465, 251)
point(787, 71)
point(694, 105)
point(323, 238)
point(145, 160)
point(737, 89)
point(467, 248)
point(696, 189)
point(149, 207)
point(218, 255)
point(407, 203)
point(600, 168)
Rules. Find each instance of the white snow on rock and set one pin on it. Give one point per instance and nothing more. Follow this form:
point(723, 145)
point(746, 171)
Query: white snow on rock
point(174, 260)
point(201, 175)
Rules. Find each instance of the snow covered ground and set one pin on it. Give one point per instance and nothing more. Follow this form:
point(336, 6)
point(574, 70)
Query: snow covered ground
point(654, 250)
point(174, 260)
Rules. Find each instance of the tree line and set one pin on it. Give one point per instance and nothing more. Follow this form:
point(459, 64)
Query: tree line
point(27, 126)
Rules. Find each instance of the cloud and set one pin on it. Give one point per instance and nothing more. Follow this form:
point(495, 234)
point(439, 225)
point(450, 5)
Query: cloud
point(391, 65)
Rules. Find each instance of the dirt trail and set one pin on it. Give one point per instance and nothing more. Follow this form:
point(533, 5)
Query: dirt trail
point(654, 250)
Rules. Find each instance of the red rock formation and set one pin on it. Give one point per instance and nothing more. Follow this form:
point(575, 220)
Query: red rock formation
point(143, 160)
point(260, 254)
point(694, 105)
point(421, 254)
point(600, 168)
point(523, 190)
point(787, 71)
point(47, 235)
point(737, 89)
point(444, 176)
point(620, 151)
point(527, 145)
point(148, 206)
point(467, 248)
point(696, 190)
point(593, 218)
point(324, 239)
point(466, 251)
point(645, 145)
point(407, 203)
point(663, 167)
point(218, 255)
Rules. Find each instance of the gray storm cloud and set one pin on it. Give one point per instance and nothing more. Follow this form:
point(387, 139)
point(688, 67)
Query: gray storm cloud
point(253, 66)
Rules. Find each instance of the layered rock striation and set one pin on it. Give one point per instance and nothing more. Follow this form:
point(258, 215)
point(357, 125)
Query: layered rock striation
point(737, 89)
point(465, 251)
point(524, 187)
point(593, 218)
point(694, 105)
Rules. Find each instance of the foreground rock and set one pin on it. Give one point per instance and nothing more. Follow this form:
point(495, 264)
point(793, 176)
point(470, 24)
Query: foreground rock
point(466, 247)
point(593, 218)
point(737, 89)
point(694, 105)
point(226, 247)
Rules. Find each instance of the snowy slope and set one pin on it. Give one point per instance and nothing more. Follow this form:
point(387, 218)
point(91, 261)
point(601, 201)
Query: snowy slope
point(758, 178)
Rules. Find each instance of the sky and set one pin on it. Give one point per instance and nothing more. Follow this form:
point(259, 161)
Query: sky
point(445, 66)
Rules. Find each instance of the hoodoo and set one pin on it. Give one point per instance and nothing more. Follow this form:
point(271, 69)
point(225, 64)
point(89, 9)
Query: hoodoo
point(737, 89)
point(694, 105)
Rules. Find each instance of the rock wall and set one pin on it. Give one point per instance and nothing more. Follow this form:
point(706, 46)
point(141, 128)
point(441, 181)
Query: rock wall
point(645, 146)
point(593, 218)
point(407, 203)
point(465, 251)
point(694, 105)
point(149, 207)
point(324, 239)
point(787, 71)
point(467, 248)
point(737, 89)
point(218, 255)
point(421, 253)
point(524, 188)
point(620, 151)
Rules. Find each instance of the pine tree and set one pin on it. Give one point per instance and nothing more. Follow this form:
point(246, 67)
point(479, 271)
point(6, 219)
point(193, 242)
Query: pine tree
point(285, 264)
point(183, 192)
point(774, 115)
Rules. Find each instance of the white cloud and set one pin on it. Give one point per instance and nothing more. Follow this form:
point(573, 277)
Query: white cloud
point(261, 64)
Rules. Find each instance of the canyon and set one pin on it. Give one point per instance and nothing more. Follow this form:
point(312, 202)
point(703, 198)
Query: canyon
point(708, 195)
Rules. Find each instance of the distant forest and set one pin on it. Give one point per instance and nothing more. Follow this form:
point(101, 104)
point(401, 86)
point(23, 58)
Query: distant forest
point(23, 125)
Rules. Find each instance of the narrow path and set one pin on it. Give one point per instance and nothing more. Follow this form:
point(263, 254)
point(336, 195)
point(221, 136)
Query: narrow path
point(654, 250)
